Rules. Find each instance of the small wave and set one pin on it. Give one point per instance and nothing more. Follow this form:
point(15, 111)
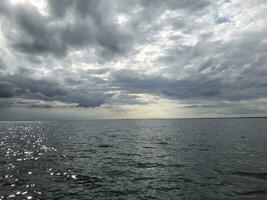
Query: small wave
point(143, 179)
point(156, 165)
point(105, 146)
point(254, 193)
point(129, 154)
point(261, 176)
point(162, 143)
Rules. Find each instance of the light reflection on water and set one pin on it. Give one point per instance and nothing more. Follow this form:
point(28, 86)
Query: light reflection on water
point(134, 159)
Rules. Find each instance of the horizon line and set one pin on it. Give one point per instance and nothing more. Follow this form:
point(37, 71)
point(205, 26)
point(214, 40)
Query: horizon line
point(111, 119)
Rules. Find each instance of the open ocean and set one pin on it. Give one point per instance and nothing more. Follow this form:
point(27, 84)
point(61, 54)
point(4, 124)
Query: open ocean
point(134, 159)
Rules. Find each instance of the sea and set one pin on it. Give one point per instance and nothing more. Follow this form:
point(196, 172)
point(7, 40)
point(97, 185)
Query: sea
point(134, 159)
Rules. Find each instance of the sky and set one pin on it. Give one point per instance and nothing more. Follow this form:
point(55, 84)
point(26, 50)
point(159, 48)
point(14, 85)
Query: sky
point(106, 59)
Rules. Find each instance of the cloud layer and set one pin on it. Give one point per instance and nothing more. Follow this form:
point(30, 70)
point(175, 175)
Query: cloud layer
point(208, 56)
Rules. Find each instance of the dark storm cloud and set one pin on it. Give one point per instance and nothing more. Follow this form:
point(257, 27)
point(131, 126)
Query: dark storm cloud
point(93, 26)
point(59, 8)
point(179, 89)
point(7, 89)
point(28, 88)
point(37, 36)
point(232, 70)
point(84, 100)
point(247, 85)
point(78, 52)
point(39, 87)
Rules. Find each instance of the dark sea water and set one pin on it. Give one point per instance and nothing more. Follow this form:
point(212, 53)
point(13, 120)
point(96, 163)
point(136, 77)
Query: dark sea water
point(134, 159)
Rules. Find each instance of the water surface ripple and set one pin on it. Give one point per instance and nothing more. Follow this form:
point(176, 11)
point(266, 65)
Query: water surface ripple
point(134, 159)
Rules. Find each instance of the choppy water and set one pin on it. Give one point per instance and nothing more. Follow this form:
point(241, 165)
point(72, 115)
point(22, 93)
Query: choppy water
point(134, 159)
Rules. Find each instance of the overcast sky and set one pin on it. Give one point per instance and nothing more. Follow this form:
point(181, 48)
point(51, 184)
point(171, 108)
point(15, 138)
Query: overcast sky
point(81, 59)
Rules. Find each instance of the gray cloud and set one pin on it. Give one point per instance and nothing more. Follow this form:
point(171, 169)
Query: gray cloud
point(7, 89)
point(180, 89)
point(2, 64)
point(190, 5)
point(28, 88)
point(88, 53)
point(38, 87)
point(222, 20)
point(60, 7)
point(4, 7)
point(91, 27)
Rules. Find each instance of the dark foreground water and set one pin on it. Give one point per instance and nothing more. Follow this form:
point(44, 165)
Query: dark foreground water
point(134, 159)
